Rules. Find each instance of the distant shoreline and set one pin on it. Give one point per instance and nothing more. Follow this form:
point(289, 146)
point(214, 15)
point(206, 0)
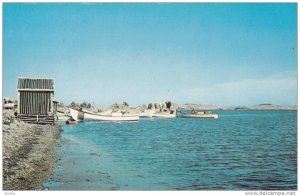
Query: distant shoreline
point(256, 107)
point(253, 109)
point(135, 109)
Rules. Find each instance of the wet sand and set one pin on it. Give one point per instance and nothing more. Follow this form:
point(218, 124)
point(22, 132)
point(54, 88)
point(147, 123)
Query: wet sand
point(29, 154)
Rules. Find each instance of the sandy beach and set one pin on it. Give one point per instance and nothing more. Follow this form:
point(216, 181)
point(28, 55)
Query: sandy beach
point(28, 153)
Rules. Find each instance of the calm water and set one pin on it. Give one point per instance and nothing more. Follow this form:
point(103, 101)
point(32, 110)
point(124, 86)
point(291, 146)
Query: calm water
point(242, 150)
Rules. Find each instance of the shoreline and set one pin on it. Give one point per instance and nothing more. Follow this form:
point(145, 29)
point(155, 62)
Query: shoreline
point(29, 153)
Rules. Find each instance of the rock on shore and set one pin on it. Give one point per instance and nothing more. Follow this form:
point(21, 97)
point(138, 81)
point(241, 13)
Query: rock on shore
point(28, 153)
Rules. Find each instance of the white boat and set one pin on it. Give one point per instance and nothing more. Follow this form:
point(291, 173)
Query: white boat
point(147, 114)
point(113, 116)
point(62, 116)
point(198, 115)
point(167, 114)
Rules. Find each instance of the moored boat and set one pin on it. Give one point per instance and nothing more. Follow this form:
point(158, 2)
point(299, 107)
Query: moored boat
point(147, 113)
point(62, 116)
point(71, 121)
point(198, 114)
point(113, 116)
point(165, 114)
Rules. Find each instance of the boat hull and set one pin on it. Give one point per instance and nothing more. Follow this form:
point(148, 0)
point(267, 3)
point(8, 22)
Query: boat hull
point(60, 118)
point(199, 115)
point(80, 116)
point(147, 114)
point(157, 115)
point(71, 122)
point(169, 114)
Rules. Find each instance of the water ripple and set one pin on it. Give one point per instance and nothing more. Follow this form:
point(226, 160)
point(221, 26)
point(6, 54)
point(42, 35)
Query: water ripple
point(242, 150)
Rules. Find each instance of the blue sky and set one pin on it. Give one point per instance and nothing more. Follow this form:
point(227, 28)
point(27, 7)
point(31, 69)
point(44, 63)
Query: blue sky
point(218, 53)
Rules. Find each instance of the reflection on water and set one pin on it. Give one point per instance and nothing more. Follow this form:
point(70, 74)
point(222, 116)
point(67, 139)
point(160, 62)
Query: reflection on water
point(242, 150)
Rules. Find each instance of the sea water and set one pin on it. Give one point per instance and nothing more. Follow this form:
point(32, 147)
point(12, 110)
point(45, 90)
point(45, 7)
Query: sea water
point(242, 150)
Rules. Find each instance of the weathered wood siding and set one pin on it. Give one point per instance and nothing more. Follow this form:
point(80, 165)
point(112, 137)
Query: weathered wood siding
point(35, 83)
point(37, 103)
point(35, 96)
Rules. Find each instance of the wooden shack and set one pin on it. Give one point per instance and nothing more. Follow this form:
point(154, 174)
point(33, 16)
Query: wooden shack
point(35, 100)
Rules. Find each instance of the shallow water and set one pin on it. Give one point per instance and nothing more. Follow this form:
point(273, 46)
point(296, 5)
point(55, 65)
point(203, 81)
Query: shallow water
point(242, 150)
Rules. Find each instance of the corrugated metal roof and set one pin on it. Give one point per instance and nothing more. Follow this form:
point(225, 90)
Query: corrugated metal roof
point(35, 83)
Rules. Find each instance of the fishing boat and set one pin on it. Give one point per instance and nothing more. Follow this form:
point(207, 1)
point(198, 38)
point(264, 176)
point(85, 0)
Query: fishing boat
point(71, 121)
point(62, 116)
point(165, 114)
point(198, 114)
point(146, 114)
point(113, 116)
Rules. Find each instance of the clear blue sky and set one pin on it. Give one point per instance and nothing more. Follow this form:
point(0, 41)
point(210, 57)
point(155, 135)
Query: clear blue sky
point(223, 54)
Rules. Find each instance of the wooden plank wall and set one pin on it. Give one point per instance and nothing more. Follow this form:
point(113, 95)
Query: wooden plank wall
point(37, 119)
point(35, 103)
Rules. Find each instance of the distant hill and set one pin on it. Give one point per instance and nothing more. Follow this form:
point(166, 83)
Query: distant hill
point(201, 107)
point(265, 106)
point(273, 107)
point(190, 106)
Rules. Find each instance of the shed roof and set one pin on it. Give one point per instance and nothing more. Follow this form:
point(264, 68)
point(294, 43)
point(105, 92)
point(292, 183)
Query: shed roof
point(35, 83)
